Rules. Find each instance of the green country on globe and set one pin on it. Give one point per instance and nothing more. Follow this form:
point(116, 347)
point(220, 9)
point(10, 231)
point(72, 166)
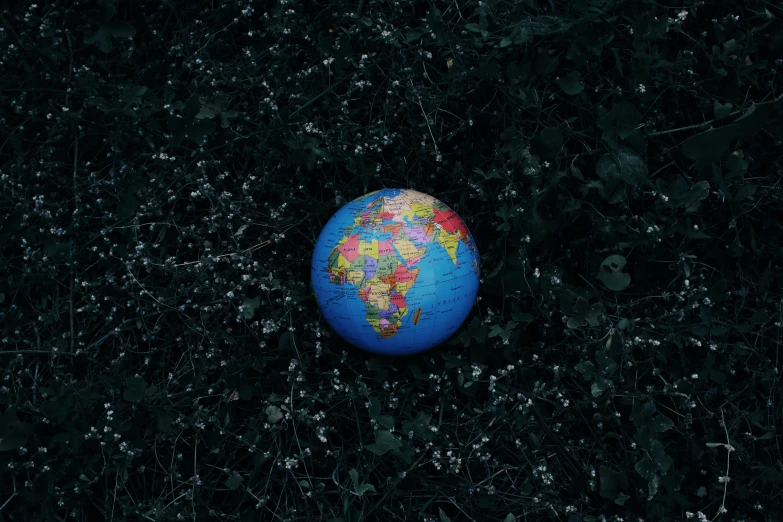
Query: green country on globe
point(395, 272)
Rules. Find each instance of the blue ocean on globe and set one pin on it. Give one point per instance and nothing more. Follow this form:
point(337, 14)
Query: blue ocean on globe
point(395, 272)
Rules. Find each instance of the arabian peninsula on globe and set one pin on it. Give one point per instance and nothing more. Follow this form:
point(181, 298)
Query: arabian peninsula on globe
point(395, 272)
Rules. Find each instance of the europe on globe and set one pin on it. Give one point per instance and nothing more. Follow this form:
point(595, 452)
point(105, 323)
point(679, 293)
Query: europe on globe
point(395, 272)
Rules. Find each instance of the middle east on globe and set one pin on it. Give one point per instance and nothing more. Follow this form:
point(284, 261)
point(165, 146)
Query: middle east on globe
point(395, 271)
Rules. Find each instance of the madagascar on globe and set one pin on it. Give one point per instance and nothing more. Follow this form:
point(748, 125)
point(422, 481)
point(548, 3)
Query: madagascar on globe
point(395, 272)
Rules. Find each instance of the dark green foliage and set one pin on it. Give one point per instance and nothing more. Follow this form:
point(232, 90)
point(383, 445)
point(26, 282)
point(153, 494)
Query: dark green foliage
point(166, 167)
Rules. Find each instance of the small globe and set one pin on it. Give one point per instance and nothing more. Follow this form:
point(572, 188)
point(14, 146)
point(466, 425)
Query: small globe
point(395, 272)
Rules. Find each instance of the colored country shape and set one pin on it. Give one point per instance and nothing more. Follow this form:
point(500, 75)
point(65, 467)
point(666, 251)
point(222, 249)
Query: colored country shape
point(403, 275)
point(398, 300)
point(450, 243)
point(369, 248)
point(408, 250)
point(417, 235)
point(349, 247)
point(370, 265)
point(450, 222)
point(385, 248)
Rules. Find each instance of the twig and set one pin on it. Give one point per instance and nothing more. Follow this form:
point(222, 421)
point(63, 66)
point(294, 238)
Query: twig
point(35, 383)
point(426, 118)
point(262, 244)
point(689, 127)
point(75, 216)
point(41, 352)
point(729, 449)
point(12, 495)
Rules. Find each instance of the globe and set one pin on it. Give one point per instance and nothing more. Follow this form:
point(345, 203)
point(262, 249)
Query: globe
point(395, 272)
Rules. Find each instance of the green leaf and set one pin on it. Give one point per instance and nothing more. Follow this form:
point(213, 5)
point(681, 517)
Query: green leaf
point(621, 498)
point(662, 461)
point(709, 146)
point(571, 83)
point(623, 119)
point(611, 273)
point(360, 489)
point(15, 439)
point(443, 516)
point(652, 484)
point(249, 307)
point(691, 199)
point(721, 111)
point(492, 274)
point(473, 28)
point(505, 42)
point(575, 322)
point(384, 441)
point(387, 421)
point(753, 120)
point(587, 369)
point(661, 423)
point(623, 164)
point(599, 386)
point(611, 481)
point(645, 467)
point(273, 413)
point(136, 388)
point(234, 481)
point(509, 518)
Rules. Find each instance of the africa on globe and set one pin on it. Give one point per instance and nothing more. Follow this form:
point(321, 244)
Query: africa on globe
point(395, 272)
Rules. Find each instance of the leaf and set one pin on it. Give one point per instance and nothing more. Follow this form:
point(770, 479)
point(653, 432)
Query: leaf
point(652, 485)
point(662, 461)
point(473, 28)
point(623, 164)
point(623, 119)
point(709, 146)
point(611, 273)
point(384, 441)
point(107, 28)
point(721, 111)
point(387, 421)
point(661, 423)
point(273, 414)
point(131, 95)
point(443, 516)
point(492, 274)
point(360, 489)
point(645, 467)
point(575, 322)
point(692, 198)
point(136, 388)
point(599, 386)
point(611, 481)
point(753, 120)
point(587, 369)
point(571, 83)
point(509, 518)
point(249, 307)
point(505, 42)
point(234, 481)
point(14, 440)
